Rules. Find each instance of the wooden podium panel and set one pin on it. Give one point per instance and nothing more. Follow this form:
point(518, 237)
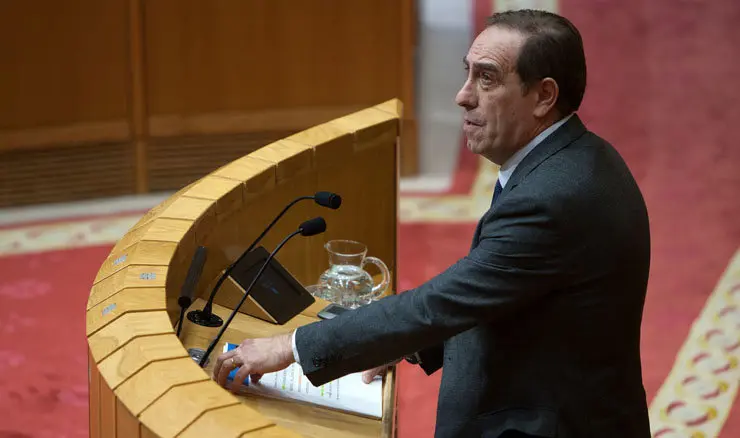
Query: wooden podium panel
point(142, 381)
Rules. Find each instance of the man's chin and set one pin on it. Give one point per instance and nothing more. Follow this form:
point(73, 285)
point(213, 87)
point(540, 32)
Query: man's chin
point(473, 146)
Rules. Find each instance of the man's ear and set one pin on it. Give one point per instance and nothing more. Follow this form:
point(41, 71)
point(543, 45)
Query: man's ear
point(547, 96)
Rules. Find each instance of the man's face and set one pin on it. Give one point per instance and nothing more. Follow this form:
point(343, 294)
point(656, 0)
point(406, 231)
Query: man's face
point(499, 119)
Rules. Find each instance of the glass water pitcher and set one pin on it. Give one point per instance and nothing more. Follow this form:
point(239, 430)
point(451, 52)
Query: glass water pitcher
point(346, 282)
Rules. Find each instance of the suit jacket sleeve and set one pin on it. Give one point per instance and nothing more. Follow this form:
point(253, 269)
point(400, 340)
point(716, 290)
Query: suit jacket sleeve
point(432, 358)
point(518, 259)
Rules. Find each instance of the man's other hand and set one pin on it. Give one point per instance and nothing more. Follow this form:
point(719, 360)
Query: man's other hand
point(254, 357)
point(369, 375)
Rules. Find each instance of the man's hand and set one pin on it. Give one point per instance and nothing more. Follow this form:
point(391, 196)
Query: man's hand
point(369, 375)
point(254, 357)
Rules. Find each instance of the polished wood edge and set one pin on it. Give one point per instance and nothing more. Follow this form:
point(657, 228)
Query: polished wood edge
point(289, 119)
point(114, 131)
point(390, 390)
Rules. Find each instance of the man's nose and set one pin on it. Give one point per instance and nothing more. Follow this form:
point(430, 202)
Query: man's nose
point(466, 96)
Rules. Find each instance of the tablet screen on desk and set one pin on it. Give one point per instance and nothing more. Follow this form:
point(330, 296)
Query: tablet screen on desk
point(277, 291)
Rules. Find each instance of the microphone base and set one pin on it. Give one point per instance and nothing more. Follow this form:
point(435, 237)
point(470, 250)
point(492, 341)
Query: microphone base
point(197, 354)
point(205, 319)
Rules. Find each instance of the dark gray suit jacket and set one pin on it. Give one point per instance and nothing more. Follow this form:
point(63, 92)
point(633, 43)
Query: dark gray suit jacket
point(537, 329)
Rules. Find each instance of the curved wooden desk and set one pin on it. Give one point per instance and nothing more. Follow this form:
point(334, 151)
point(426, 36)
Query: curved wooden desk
point(142, 381)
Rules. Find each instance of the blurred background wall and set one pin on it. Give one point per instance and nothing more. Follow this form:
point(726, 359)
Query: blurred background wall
point(115, 97)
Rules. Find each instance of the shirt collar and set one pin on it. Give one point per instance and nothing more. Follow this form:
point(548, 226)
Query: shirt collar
point(507, 169)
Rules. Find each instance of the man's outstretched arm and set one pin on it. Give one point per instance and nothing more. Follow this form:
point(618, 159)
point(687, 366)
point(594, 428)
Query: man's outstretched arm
point(518, 260)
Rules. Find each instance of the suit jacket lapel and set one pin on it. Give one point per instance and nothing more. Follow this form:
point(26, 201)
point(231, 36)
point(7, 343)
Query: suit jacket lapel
point(562, 137)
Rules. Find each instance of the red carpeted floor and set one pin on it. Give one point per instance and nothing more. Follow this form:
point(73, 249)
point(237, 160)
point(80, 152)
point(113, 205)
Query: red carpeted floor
point(661, 88)
point(43, 351)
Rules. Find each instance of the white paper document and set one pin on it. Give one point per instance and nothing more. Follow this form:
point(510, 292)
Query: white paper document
point(348, 393)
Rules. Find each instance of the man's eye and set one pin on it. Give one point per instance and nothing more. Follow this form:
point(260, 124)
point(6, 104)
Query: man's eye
point(486, 78)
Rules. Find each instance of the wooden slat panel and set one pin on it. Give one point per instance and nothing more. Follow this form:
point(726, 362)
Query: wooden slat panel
point(187, 208)
point(134, 235)
point(332, 144)
point(94, 396)
point(131, 276)
point(257, 174)
point(392, 106)
point(290, 158)
point(181, 405)
point(129, 326)
point(155, 211)
point(168, 230)
point(271, 432)
point(135, 355)
point(127, 425)
point(147, 433)
point(154, 380)
point(127, 300)
point(115, 131)
point(371, 127)
point(230, 421)
point(107, 411)
point(140, 253)
point(65, 174)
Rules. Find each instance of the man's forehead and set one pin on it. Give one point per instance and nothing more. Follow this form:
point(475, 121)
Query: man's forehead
point(497, 44)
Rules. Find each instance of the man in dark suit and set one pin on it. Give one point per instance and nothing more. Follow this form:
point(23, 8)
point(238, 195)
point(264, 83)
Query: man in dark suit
point(537, 329)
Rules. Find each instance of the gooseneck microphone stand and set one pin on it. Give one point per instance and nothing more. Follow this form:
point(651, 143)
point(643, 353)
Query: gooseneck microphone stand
point(206, 317)
point(309, 228)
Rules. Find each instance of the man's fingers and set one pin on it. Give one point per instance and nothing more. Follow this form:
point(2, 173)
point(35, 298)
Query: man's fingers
point(223, 372)
point(220, 361)
point(239, 378)
point(369, 375)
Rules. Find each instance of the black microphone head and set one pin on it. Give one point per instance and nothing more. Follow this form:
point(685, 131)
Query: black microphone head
point(328, 199)
point(313, 226)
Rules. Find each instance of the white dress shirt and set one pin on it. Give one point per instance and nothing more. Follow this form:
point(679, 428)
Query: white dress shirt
point(504, 173)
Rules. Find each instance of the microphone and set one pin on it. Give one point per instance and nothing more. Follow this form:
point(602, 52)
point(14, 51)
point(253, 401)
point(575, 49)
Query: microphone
point(191, 281)
point(328, 199)
point(310, 227)
point(206, 317)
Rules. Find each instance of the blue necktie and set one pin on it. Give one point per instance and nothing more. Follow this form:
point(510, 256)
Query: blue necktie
point(496, 192)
